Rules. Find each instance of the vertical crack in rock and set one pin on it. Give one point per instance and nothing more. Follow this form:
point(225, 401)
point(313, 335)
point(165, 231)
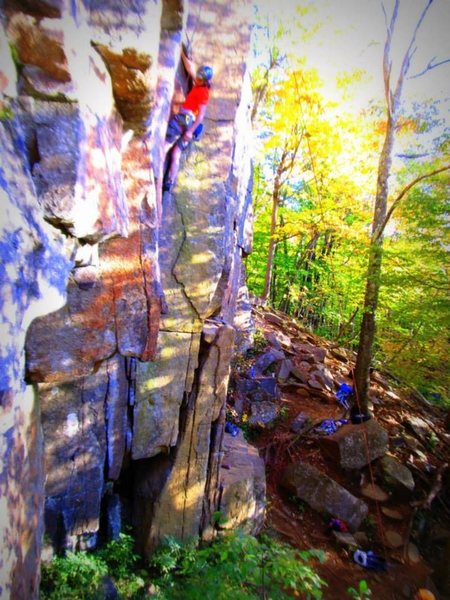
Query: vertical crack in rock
point(173, 269)
point(224, 341)
point(116, 415)
point(211, 498)
point(114, 301)
point(148, 261)
point(163, 482)
point(187, 431)
point(160, 388)
point(130, 368)
point(189, 462)
point(107, 411)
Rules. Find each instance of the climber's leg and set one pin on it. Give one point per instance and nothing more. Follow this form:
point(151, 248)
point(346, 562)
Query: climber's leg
point(174, 162)
point(174, 165)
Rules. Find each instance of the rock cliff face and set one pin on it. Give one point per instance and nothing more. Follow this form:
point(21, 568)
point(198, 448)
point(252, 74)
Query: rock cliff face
point(117, 303)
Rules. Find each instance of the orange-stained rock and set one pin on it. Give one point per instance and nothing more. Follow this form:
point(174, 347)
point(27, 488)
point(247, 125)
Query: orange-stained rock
point(40, 46)
point(70, 342)
point(129, 71)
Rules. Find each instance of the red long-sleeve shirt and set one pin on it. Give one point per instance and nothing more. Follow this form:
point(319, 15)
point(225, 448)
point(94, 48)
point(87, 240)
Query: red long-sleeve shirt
point(198, 96)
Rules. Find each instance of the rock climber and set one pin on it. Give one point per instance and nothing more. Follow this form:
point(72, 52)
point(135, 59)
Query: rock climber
point(187, 123)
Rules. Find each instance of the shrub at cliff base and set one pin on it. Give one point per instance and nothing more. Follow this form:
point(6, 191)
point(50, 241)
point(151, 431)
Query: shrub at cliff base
point(234, 566)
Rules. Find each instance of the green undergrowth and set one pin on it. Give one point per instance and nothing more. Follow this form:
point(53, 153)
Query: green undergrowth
point(235, 565)
point(84, 575)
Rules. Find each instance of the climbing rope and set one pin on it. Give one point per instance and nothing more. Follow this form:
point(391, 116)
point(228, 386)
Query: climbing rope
point(380, 527)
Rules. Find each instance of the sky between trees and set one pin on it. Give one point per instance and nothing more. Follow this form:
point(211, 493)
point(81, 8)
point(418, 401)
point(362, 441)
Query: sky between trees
point(351, 36)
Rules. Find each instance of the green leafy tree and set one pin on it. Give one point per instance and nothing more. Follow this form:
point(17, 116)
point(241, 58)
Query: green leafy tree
point(413, 316)
point(307, 202)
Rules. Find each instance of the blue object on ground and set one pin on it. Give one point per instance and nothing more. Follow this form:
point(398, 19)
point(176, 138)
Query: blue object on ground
point(231, 429)
point(330, 426)
point(369, 560)
point(327, 426)
point(343, 395)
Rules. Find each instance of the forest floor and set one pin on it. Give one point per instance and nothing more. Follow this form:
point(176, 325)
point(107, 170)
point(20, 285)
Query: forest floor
point(421, 518)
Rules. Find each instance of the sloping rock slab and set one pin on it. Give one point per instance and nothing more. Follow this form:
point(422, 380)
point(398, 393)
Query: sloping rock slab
point(299, 422)
point(278, 339)
point(345, 539)
point(323, 494)
point(395, 475)
point(300, 374)
point(355, 446)
point(310, 352)
point(243, 484)
point(275, 319)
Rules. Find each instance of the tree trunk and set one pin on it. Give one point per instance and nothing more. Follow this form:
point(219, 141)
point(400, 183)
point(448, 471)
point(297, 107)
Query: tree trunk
point(368, 326)
point(272, 242)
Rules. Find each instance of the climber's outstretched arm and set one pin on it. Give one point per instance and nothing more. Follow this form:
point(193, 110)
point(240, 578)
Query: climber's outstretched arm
point(188, 63)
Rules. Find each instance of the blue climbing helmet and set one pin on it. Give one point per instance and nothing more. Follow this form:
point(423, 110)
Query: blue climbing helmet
point(205, 73)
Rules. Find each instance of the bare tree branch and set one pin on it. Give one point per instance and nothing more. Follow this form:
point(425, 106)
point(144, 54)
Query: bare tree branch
point(387, 63)
point(260, 90)
point(401, 195)
point(430, 65)
point(408, 56)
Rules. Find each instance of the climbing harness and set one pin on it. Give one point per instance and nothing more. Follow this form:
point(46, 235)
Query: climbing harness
point(178, 124)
